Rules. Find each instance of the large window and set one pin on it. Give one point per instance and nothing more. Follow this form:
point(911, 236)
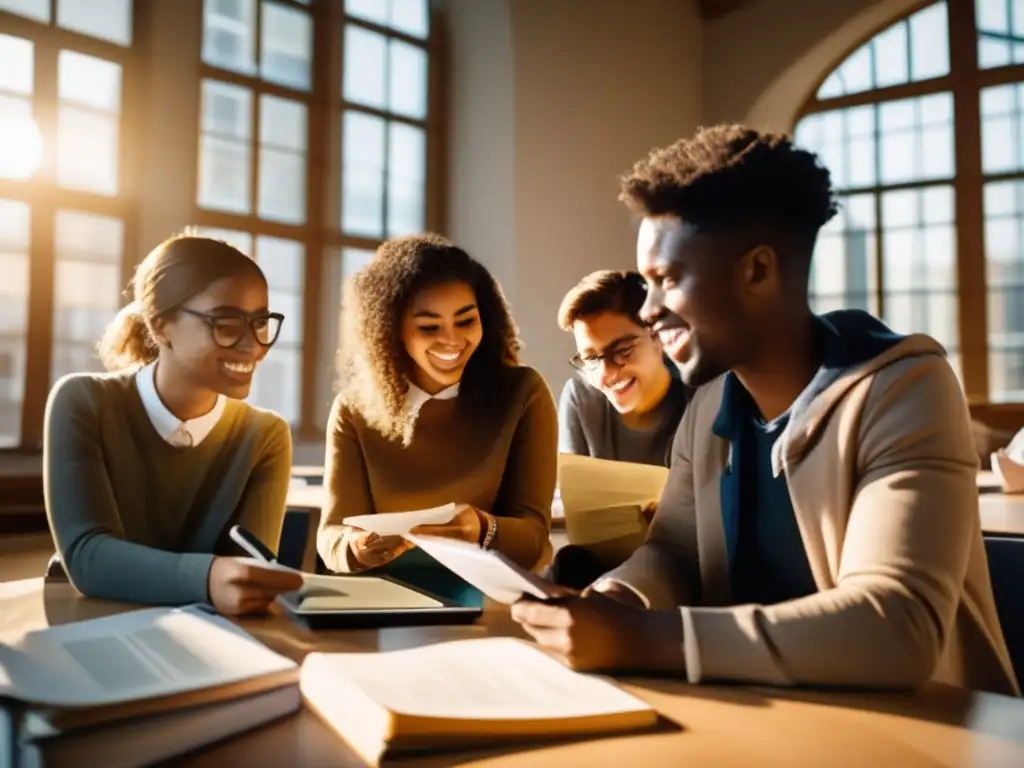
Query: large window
point(921, 127)
point(313, 149)
point(63, 217)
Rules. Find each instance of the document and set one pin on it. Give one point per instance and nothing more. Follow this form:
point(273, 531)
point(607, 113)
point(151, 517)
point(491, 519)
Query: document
point(604, 500)
point(143, 654)
point(489, 571)
point(401, 523)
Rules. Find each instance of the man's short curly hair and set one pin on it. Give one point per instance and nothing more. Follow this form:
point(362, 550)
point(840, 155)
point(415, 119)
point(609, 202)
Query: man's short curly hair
point(374, 366)
point(730, 178)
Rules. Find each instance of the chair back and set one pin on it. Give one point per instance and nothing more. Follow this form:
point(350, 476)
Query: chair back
point(1006, 568)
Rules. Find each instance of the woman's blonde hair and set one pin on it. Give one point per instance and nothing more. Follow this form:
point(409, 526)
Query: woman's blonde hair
point(374, 365)
point(172, 273)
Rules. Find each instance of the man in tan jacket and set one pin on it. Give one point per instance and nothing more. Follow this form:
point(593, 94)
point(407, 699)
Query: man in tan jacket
point(820, 522)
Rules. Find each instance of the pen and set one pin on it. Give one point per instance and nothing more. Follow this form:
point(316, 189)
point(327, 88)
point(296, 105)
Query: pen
point(251, 544)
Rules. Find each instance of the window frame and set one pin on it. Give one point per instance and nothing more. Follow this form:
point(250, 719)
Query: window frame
point(45, 197)
point(965, 81)
point(322, 235)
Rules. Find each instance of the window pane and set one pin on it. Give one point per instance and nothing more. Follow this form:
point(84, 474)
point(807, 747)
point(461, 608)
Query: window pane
point(282, 192)
point(16, 65)
point(371, 10)
point(856, 72)
point(282, 123)
point(929, 42)
point(229, 34)
point(227, 110)
point(843, 270)
point(106, 19)
point(224, 178)
point(891, 65)
point(407, 80)
point(87, 151)
point(917, 138)
point(32, 9)
point(90, 82)
point(282, 185)
point(87, 287)
point(1004, 259)
point(286, 46)
point(407, 158)
point(365, 67)
point(410, 17)
point(277, 384)
point(994, 32)
point(362, 179)
point(1001, 128)
point(22, 148)
point(225, 181)
point(14, 265)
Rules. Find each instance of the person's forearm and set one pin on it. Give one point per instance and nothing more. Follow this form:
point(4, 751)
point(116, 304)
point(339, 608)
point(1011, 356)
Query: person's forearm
point(524, 540)
point(104, 566)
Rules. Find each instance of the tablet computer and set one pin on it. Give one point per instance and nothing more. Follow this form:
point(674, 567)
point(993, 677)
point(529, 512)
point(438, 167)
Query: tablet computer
point(348, 602)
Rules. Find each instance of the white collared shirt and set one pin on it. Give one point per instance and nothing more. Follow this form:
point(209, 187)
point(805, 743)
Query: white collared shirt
point(182, 434)
point(416, 397)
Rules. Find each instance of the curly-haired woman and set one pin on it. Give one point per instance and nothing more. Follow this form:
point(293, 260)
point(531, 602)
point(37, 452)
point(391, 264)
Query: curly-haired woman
point(434, 408)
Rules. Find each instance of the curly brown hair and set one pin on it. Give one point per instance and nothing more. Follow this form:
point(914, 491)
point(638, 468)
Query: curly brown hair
point(374, 365)
point(730, 177)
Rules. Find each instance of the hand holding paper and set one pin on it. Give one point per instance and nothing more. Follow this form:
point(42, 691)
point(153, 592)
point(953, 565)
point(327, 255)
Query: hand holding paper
point(401, 523)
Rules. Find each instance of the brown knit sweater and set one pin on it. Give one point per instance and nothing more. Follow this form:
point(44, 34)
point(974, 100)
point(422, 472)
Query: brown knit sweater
point(502, 460)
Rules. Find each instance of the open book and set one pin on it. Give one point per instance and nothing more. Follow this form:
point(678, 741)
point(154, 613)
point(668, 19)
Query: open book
point(466, 693)
point(135, 664)
point(604, 500)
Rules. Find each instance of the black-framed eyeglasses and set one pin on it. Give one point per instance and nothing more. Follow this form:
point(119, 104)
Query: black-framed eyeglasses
point(618, 355)
point(229, 330)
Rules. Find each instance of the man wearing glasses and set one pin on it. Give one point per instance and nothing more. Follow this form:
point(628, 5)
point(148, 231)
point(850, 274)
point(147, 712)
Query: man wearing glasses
point(629, 399)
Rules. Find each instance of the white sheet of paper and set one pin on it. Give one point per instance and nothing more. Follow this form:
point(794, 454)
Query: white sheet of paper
point(490, 572)
point(132, 656)
point(499, 677)
point(400, 523)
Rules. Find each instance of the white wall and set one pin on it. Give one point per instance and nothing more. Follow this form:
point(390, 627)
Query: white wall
point(594, 84)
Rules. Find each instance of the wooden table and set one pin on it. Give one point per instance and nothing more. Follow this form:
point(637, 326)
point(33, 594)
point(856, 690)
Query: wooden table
point(709, 725)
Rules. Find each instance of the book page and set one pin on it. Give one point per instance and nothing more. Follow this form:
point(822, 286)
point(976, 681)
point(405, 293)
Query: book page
point(489, 571)
point(359, 593)
point(135, 655)
point(400, 523)
point(491, 678)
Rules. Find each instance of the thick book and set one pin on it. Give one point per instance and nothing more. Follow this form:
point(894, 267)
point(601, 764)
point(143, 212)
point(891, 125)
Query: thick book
point(463, 694)
point(145, 741)
point(135, 664)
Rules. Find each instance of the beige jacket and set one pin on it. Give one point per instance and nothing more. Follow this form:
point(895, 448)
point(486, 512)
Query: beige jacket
point(881, 471)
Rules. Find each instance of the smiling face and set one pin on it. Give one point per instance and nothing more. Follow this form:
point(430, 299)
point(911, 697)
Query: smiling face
point(621, 359)
point(705, 296)
point(187, 342)
point(440, 332)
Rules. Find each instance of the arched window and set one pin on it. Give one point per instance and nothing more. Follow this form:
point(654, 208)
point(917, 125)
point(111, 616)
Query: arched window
point(921, 127)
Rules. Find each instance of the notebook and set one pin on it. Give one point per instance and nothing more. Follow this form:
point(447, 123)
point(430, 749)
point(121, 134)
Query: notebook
point(145, 741)
point(137, 663)
point(467, 693)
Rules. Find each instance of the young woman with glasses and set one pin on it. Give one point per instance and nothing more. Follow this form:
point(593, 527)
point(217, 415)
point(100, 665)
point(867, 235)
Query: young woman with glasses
point(147, 467)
